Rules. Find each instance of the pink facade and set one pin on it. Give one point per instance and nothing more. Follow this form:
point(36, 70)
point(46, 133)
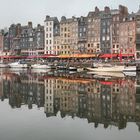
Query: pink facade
point(127, 37)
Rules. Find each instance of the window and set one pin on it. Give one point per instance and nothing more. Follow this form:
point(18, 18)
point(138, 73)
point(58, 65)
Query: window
point(103, 38)
point(108, 37)
point(103, 30)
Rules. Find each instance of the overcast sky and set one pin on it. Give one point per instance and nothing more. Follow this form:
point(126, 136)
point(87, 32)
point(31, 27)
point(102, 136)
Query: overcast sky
point(22, 11)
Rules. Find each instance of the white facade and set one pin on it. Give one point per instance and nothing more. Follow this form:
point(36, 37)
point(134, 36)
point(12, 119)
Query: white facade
point(49, 96)
point(49, 33)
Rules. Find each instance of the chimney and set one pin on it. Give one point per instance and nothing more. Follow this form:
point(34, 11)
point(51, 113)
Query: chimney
point(106, 9)
point(30, 24)
point(97, 9)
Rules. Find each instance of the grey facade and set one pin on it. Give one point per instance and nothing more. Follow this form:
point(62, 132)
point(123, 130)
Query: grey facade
point(39, 39)
point(106, 29)
point(27, 37)
point(14, 34)
point(82, 34)
point(6, 42)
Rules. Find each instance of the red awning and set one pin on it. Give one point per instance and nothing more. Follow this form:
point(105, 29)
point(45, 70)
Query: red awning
point(116, 55)
point(12, 57)
point(126, 55)
point(106, 82)
point(108, 55)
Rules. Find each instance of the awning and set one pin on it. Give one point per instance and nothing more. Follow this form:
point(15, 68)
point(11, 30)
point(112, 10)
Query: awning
point(126, 55)
point(12, 57)
point(77, 56)
point(106, 82)
point(108, 55)
point(115, 55)
point(41, 56)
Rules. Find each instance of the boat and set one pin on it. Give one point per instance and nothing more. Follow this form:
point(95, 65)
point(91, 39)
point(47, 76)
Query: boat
point(80, 69)
point(72, 68)
point(3, 65)
point(18, 64)
point(110, 74)
point(40, 66)
point(130, 68)
point(115, 68)
point(130, 73)
point(62, 66)
point(40, 70)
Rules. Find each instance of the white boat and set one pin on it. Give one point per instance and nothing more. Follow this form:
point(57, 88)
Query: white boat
point(62, 66)
point(80, 69)
point(18, 64)
point(130, 68)
point(108, 69)
point(41, 66)
point(40, 70)
point(3, 65)
point(72, 68)
point(130, 73)
point(111, 74)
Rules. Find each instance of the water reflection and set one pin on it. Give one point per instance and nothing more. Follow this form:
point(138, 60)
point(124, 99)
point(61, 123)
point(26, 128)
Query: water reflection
point(114, 101)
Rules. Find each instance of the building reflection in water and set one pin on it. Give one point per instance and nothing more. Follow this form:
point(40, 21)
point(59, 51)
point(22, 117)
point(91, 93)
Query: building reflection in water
point(108, 102)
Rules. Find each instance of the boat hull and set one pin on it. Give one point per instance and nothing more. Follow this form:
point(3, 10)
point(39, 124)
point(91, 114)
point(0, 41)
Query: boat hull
point(130, 68)
point(111, 74)
point(107, 69)
point(39, 66)
point(4, 65)
point(18, 65)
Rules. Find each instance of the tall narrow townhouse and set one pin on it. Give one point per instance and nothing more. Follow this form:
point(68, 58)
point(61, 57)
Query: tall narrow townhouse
point(82, 34)
point(117, 17)
point(27, 40)
point(93, 31)
point(138, 34)
point(39, 39)
point(65, 37)
point(14, 37)
point(49, 84)
point(127, 37)
point(74, 35)
point(105, 32)
point(1, 41)
point(51, 29)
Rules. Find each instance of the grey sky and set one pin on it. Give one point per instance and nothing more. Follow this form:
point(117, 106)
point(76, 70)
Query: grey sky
point(22, 11)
